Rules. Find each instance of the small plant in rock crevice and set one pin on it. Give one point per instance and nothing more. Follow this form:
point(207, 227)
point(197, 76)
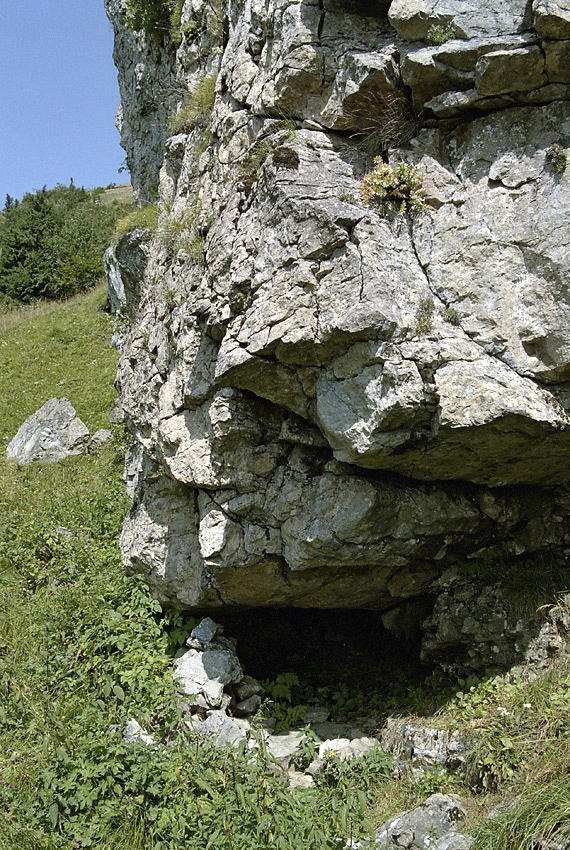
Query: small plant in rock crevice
point(396, 189)
point(196, 109)
point(556, 156)
point(438, 34)
point(424, 315)
point(379, 121)
point(453, 316)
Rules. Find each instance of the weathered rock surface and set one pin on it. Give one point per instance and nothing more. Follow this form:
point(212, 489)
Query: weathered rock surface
point(332, 406)
point(419, 749)
point(52, 433)
point(433, 825)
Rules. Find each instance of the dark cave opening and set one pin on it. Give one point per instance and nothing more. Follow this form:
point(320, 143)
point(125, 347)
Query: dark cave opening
point(327, 649)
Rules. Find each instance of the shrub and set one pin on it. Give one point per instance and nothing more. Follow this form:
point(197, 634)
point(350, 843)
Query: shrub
point(152, 16)
point(397, 189)
point(438, 34)
point(52, 243)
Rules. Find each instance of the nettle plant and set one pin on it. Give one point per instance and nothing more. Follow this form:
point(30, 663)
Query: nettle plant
point(394, 189)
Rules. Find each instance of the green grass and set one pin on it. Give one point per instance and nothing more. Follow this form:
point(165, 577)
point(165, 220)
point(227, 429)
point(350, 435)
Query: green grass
point(58, 350)
point(145, 217)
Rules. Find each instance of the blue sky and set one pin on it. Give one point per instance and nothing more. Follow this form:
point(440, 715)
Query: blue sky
point(58, 96)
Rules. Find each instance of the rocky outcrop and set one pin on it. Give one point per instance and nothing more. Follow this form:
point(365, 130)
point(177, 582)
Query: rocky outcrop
point(333, 403)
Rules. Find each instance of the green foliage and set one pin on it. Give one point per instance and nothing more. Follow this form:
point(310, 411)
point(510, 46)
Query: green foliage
point(282, 700)
point(196, 109)
point(158, 18)
point(557, 157)
point(180, 232)
point(84, 647)
point(348, 198)
point(453, 316)
point(397, 189)
point(424, 315)
point(254, 161)
point(438, 34)
point(242, 302)
point(145, 218)
point(52, 243)
point(152, 16)
point(541, 814)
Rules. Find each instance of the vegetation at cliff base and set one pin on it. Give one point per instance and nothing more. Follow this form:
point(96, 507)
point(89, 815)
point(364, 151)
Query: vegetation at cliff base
point(52, 242)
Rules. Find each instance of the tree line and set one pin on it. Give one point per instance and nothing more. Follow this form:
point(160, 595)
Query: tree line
point(52, 242)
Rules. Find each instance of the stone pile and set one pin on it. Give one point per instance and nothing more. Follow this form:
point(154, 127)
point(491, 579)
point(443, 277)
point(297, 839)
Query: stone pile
point(219, 700)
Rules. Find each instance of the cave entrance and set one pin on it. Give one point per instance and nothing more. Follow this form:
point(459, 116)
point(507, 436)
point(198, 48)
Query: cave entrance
point(344, 656)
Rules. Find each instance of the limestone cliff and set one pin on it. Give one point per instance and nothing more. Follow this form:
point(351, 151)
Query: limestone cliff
point(333, 403)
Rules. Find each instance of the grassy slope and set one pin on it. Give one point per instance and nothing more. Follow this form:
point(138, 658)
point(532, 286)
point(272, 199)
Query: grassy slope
point(56, 350)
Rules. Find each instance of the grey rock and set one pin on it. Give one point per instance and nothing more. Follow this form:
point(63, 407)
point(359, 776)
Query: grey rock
point(50, 434)
point(300, 780)
point(125, 265)
point(345, 749)
point(504, 71)
point(283, 745)
point(148, 96)
point(552, 18)
point(419, 749)
point(101, 437)
point(116, 414)
point(248, 687)
point(218, 730)
point(249, 705)
point(470, 19)
point(134, 734)
point(423, 826)
point(207, 673)
point(205, 631)
point(454, 841)
point(302, 436)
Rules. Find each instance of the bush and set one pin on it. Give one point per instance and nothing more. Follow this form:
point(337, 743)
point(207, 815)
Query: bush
point(152, 16)
point(397, 189)
point(52, 243)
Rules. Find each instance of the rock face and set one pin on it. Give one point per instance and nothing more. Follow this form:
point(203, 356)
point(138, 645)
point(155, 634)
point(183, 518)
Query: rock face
point(433, 824)
point(52, 433)
point(332, 405)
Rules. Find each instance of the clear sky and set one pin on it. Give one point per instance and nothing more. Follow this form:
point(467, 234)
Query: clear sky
point(58, 96)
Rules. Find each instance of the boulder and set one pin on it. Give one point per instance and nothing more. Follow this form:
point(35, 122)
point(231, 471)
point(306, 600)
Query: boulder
point(430, 825)
point(51, 433)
